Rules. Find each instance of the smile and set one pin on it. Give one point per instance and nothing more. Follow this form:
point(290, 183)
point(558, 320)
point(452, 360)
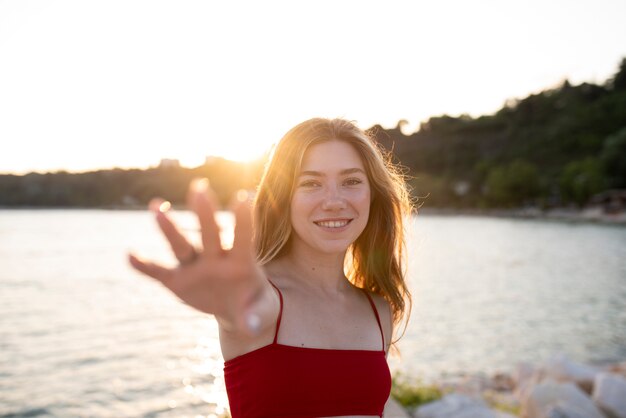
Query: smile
point(334, 224)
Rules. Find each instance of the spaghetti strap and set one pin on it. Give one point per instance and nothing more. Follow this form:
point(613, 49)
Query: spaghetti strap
point(382, 335)
point(280, 312)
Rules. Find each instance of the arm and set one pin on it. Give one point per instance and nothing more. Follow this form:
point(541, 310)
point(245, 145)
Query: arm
point(226, 283)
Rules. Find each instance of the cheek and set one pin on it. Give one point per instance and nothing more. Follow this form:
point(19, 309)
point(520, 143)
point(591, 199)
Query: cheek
point(363, 199)
point(300, 208)
point(299, 204)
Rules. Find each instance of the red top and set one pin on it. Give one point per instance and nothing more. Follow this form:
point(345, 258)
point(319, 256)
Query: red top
point(285, 381)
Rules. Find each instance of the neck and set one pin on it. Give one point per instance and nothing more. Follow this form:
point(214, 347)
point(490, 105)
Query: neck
point(319, 271)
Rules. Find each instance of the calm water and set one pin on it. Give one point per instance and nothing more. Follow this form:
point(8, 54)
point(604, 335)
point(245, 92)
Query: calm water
point(83, 335)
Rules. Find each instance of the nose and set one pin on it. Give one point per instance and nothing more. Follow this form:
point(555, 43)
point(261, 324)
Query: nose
point(333, 200)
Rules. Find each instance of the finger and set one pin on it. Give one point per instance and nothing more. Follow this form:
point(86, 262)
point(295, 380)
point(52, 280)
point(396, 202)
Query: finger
point(151, 269)
point(202, 201)
point(242, 243)
point(182, 249)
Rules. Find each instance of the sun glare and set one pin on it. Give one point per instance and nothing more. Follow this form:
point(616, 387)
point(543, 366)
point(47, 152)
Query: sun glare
point(244, 147)
point(162, 87)
point(238, 151)
point(242, 152)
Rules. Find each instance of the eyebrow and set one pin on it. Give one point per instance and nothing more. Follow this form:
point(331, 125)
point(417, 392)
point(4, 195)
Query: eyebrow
point(342, 172)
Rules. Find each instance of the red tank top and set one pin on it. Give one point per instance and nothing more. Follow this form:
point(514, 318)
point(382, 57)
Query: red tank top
point(298, 382)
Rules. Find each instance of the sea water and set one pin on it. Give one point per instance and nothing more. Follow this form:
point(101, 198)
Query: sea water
point(82, 334)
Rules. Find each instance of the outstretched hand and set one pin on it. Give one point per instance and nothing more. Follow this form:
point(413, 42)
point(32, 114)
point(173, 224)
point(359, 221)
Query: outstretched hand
point(226, 283)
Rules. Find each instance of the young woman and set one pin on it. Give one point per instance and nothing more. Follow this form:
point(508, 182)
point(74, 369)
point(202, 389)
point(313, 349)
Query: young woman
point(308, 296)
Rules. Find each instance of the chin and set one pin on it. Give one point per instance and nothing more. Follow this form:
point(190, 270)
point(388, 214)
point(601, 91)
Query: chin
point(334, 248)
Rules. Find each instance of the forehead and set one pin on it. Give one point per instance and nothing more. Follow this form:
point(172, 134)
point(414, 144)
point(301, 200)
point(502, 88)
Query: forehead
point(333, 155)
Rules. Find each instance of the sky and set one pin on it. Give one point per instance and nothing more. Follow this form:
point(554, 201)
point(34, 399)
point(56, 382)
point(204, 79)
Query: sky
point(87, 85)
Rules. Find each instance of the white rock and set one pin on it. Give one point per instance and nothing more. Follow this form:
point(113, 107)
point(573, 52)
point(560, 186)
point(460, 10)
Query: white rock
point(609, 393)
point(457, 406)
point(471, 385)
point(562, 369)
point(568, 396)
point(446, 406)
point(565, 411)
point(523, 388)
point(394, 410)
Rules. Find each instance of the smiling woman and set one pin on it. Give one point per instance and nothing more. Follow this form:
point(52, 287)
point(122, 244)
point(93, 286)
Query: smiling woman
point(309, 294)
point(330, 203)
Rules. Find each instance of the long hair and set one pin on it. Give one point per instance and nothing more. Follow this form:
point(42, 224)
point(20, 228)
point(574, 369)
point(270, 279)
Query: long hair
point(376, 260)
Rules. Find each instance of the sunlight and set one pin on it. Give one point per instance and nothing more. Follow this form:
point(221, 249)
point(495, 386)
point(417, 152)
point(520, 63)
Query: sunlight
point(249, 142)
point(161, 87)
point(199, 159)
point(243, 150)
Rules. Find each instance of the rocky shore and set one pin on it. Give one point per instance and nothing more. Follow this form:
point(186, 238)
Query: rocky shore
point(558, 388)
point(594, 214)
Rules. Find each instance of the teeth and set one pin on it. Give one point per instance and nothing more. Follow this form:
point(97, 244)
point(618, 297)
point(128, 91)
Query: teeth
point(332, 224)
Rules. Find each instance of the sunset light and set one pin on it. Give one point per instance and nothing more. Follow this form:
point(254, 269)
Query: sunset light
point(88, 85)
point(243, 208)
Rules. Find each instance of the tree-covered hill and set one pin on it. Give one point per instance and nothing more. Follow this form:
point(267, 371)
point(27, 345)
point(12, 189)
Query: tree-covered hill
point(125, 188)
point(555, 148)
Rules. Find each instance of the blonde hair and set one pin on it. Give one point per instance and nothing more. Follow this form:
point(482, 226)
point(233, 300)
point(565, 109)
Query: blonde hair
point(376, 260)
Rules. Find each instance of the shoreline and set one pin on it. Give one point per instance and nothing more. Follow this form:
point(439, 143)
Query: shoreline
point(529, 391)
point(589, 215)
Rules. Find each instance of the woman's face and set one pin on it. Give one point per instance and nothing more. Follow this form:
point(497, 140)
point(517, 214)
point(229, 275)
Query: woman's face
point(331, 201)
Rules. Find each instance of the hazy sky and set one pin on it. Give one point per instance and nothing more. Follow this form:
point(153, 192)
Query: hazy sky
point(97, 84)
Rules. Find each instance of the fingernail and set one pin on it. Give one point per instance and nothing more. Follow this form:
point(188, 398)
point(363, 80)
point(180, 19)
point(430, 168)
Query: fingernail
point(254, 323)
point(165, 206)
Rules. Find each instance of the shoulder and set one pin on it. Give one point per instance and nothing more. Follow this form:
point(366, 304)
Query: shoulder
point(384, 312)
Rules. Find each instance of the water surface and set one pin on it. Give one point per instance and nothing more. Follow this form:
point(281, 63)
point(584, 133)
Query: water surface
point(81, 334)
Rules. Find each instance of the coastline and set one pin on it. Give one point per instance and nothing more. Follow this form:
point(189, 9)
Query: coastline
point(547, 389)
point(587, 215)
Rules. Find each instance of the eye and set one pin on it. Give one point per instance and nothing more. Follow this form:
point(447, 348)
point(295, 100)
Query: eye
point(309, 184)
point(352, 181)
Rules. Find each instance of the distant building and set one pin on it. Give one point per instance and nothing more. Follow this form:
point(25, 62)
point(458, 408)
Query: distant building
point(611, 201)
point(169, 163)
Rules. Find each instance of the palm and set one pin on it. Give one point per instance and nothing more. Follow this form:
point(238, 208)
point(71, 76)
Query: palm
point(216, 284)
point(212, 280)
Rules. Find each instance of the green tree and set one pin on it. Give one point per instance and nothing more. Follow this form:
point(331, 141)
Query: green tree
point(618, 82)
point(514, 184)
point(614, 158)
point(581, 179)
